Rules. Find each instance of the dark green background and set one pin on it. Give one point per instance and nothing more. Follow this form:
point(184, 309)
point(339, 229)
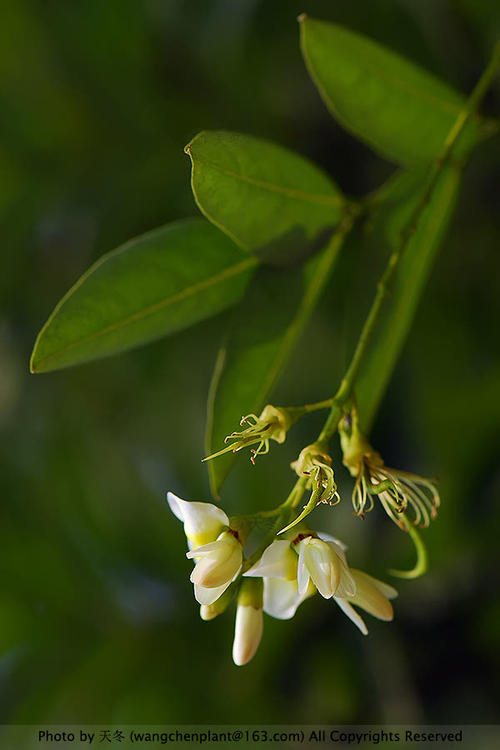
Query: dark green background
point(97, 618)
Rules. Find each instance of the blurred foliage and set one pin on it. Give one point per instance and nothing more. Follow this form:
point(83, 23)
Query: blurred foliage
point(97, 618)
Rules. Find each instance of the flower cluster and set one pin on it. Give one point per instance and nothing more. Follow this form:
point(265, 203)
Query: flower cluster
point(294, 563)
point(288, 571)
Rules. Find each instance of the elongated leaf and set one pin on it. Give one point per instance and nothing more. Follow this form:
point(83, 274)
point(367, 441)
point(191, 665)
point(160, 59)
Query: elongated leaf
point(157, 283)
point(413, 271)
point(402, 111)
point(266, 327)
point(269, 200)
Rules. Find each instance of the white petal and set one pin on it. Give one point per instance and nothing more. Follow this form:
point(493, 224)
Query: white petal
point(281, 598)
point(370, 598)
point(347, 585)
point(247, 634)
point(208, 596)
point(337, 549)
point(323, 565)
point(205, 549)
point(210, 575)
point(330, 538)
point(352, 614)
point(218, 562)
point(302, 572)
point(202, 521)
point(385, 589)
point(277, 561)
point(175, 505)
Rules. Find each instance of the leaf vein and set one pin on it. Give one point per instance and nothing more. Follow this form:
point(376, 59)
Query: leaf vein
point(156, 307)
point(326, 200)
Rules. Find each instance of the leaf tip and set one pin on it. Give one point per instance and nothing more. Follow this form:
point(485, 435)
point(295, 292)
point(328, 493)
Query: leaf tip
point(302, 17)
point(33, 364)
point(188, 147)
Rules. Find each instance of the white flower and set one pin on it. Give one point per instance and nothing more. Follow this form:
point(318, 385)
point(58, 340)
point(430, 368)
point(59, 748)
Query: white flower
point(320, 565)
point(278, 567)
point(249, 622)
point(212, 543)
point(324, 562)
point(218, 563)
point(371, 595)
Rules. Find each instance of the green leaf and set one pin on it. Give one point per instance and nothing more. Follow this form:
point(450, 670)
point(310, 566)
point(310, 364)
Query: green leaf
point(400, 199)
point(266, 326)
point(155, 284)
point(402, 111)
point(269, 200)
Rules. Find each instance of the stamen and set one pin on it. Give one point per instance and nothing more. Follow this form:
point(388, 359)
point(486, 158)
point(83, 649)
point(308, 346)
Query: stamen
point(246, 420)
point(428, 484)
point(388, 505)
point(361, 496)
point(419, 506)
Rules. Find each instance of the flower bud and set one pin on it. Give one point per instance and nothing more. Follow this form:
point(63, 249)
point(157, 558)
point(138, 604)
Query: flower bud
point(249, 621)
point(210, 611)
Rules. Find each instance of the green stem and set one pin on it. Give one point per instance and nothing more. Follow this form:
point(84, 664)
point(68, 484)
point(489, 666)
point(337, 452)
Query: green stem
point(292, 501)
point(475, 99)
point(346, 386)
point(318, 405)
point(420, 566)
